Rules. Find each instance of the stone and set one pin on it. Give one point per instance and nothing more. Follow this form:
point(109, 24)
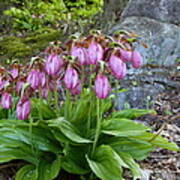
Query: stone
point(160, 61)
point(162, 39)
point(143, 87)
point(162, 10)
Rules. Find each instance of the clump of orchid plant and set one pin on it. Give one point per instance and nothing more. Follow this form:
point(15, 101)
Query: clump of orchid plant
point(69, 122)
point(72, 66)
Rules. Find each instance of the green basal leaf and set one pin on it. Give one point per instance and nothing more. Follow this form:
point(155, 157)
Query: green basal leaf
point(70, 166)
point(8, 154)
point(37, 138)
point(136, 148)
point(157, 141)
point(123, 127)
point(41, 140)
point(68, 130)
point(106, 164)
point(132, 165)
point(60, 136)
point(49, 170)
point(40, 107)
point(74, 160)
point(27, 172)
point(132, 113)
point(3, 113)
point(11, 123)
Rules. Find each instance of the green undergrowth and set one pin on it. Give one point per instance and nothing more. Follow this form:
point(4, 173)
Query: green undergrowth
point(31, 44)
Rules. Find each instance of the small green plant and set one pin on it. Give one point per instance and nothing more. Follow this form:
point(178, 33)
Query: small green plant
point(57, 112)
point(34, 15)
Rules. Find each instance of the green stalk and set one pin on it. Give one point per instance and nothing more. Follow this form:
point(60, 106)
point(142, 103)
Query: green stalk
point(98, 126)
point(30, 132)
point(89, 118)
point(90, 104)
point(39, 111)
point(67, 105)
point(56, 100)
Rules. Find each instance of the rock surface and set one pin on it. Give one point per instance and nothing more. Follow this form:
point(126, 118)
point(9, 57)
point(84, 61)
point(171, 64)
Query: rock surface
point(162, 10)
point(155, 21)
point(163, 39)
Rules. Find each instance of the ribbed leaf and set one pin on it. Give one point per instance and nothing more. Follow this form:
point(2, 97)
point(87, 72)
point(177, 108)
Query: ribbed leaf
point(132, 165)
point(40, 106)
point(132, 113)
point(105, 164)
point(27, 172)
point(123, 127)
point(8, 154)
point(49, 170)
point(60, 136)
point(39, 138)
point(137, 149)
point(68, 130)
point(70, 166)
point(158, 141)
point(74, 160)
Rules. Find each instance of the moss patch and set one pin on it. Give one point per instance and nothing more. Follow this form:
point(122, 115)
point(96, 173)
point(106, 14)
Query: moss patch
point(22, 47)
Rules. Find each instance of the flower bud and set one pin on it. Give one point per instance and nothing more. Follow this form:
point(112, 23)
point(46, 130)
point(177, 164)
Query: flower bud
point(117, 66)
point(6, 100)
point(95, 53)
point(71, 78)
point(23, 108)
point(102, 86)
point(137, 59)
point(81, 54)
point(126, 56)
point(34, 79)
point(53, 65)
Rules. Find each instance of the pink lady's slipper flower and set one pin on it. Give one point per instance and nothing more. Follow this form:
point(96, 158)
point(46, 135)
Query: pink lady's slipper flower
point(34, 79)
point(95, 53)
point(3, 83)
point(53, 65)
point(6, 100)
point(42, 78)
point(77, 89)
point(102, 86)
point(117, 66)
point(19, 86)
point(71, 78)
point(14, 73)
point(137, 59)
point(81, 54)
point(126, 56)
point(23, 108)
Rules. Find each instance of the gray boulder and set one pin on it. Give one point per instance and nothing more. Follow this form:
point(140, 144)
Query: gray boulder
point(160, 59)
point(163, 39)
point(162, 10)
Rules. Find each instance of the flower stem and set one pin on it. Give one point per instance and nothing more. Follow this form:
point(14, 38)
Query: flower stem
point(98, 126)
point(56, 100)
point(30, 132)
point(90, 103)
